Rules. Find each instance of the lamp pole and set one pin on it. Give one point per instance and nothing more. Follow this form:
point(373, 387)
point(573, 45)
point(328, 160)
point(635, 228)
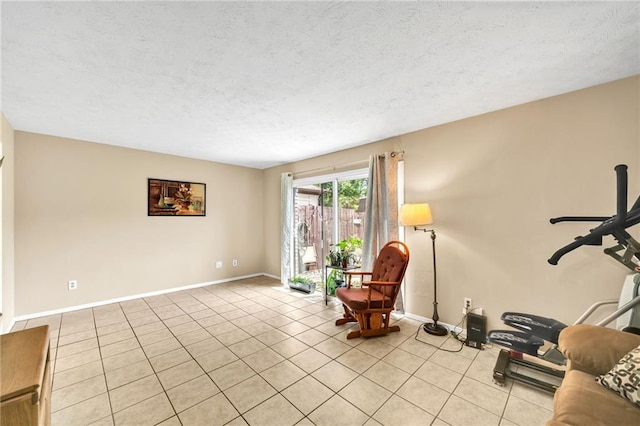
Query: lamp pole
point(434, 328)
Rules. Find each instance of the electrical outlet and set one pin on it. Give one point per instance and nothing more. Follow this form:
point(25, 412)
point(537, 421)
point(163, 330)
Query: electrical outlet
point(467, 304)
point(219, 264)
point(72, 284)
point(235, 262)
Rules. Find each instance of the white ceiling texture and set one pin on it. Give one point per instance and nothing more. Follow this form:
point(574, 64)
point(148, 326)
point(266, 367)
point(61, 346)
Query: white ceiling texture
point(264, 83)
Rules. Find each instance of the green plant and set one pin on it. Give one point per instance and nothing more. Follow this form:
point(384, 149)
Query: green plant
point(302, 283)
point(335, 257)
point(334, 279)
point(344, 251)
point(354, 243)
point(301, 280)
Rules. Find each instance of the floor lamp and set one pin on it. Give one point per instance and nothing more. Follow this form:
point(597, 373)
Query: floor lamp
point(419, 215)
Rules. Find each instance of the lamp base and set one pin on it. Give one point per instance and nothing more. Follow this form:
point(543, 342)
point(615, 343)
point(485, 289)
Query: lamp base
point(435, 329)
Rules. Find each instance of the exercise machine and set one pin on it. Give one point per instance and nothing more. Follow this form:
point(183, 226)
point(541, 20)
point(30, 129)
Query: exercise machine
point(534, 332)
point(614, 225)
point(530, 341)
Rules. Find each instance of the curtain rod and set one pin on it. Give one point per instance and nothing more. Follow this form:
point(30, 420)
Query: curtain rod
point(339, 166)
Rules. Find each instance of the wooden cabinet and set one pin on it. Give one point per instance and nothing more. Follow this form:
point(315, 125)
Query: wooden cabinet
point(25, 378)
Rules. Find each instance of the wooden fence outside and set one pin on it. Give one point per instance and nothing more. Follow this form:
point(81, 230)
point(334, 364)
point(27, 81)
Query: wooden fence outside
point(309, 220)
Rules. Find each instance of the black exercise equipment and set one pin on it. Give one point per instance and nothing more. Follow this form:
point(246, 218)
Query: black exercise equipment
point(530, 341)
point(534, 330)
point(611, 225)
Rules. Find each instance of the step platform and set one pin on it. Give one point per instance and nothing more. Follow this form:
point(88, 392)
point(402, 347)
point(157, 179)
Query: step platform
point(503, 371)
point(516, 341)
point(544, 328)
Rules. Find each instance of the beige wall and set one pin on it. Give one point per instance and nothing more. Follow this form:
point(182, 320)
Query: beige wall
point(81, 213)
point(493, 182)
point(8, 278)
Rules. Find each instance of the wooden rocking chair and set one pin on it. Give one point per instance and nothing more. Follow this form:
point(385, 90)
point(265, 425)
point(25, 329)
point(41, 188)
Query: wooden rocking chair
point(371, 304)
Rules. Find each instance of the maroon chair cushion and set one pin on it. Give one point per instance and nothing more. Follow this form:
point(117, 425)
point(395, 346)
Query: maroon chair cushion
point(389, 266)
point(356, 298)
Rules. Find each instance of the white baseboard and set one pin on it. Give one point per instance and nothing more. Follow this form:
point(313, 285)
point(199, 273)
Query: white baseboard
point(275, 277)
point(124, 299)
point(175, 289)
point(8, 329)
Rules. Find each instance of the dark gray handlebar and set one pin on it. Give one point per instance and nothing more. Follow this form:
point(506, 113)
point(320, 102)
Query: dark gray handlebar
point(609, 223)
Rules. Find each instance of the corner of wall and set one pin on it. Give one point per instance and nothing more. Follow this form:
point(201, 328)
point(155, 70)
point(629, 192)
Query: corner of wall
point(7, 250)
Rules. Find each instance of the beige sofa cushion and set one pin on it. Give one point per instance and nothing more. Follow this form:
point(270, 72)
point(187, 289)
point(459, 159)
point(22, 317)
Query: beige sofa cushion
point(581, 401)
point(595, 349)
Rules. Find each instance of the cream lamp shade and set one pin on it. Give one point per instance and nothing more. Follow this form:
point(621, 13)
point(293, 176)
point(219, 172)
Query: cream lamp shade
point(415, 214)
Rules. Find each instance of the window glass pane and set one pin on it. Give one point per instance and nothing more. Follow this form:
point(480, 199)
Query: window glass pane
point(319, 224)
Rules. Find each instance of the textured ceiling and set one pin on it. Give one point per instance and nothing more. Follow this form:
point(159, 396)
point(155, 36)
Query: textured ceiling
point(265, 83)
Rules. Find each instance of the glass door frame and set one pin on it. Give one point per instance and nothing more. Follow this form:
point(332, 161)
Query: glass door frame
point(334, 179)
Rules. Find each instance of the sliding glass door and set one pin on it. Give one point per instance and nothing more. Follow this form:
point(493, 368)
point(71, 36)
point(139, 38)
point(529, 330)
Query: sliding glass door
point(327, 210)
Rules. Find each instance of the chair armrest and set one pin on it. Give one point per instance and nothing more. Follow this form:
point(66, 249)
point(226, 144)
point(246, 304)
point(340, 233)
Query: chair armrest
point(349, 274)
point(368, 285)
point(595, 349)
point(389, 283)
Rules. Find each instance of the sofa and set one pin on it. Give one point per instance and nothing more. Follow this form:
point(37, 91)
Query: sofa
point(591, 352)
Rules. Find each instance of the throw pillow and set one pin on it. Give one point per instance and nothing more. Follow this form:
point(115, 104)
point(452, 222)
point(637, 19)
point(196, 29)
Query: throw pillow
point(624, 377)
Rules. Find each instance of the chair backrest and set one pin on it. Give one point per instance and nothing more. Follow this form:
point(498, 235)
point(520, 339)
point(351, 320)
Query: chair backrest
point(390, 266)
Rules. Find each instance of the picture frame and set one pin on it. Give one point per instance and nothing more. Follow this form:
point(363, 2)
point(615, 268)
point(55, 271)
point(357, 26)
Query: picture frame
point(175, 198)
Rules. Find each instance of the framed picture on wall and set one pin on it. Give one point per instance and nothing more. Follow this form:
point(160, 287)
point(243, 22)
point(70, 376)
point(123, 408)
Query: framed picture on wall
point(175, 198)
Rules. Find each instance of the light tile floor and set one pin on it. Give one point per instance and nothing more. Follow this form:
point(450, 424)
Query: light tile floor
point(254, 352)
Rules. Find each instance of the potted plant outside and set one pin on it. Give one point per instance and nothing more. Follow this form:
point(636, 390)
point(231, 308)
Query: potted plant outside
point(338, 258)
point(344, 252)
point(335, 279)
point(303, 284)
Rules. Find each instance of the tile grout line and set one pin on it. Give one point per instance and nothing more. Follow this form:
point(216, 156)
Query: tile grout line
point(180, 304)
point(106, 384)
point(164, 390)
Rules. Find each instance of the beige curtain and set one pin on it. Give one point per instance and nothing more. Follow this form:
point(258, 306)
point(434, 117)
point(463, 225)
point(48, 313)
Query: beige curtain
point(381, 224)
